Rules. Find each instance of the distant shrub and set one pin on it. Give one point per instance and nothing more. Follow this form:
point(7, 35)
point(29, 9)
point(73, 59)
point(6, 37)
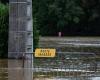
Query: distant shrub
point(35, 34)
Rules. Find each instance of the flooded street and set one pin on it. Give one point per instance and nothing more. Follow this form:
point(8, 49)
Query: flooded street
point(97, 78)
point(16, 70)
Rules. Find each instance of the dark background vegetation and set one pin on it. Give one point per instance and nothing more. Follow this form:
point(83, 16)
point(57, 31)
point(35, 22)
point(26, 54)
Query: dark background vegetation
point(3, 30)
point(71, 17)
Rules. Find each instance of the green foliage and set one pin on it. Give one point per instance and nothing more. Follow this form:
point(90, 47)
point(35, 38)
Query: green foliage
point(3, 30)
point(35, 34)
point(91, 8)
point(56, 13)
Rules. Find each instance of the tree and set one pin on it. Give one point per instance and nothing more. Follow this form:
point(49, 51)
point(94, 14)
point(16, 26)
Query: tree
point(53, 15)
point(91, 18)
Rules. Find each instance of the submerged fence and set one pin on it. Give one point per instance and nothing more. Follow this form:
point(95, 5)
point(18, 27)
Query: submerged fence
point(73, 65)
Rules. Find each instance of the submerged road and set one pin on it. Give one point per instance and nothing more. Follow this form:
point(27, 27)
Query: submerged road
point(14, 70)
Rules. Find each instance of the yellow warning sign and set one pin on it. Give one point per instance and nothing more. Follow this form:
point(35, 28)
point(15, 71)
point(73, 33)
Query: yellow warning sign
point(45, 52)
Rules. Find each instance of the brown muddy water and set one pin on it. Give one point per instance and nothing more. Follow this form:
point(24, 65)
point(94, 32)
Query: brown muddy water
point(14, 70)
point(3, 70)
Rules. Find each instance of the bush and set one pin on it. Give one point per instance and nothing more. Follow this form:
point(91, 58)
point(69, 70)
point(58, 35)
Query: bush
point(3, 30)
point(35, 33)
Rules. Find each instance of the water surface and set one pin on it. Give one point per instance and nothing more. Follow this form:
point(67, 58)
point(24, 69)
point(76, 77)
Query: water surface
point(14, 70)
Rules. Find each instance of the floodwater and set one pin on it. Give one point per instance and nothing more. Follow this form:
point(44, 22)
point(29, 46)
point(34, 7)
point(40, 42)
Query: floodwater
point(3, 70)
point(96, 78)
point(16, 70)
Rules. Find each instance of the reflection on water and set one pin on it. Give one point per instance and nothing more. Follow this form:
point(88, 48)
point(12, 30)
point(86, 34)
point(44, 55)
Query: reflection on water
point(19, 70)
point(3, 70)
point(13, 70)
